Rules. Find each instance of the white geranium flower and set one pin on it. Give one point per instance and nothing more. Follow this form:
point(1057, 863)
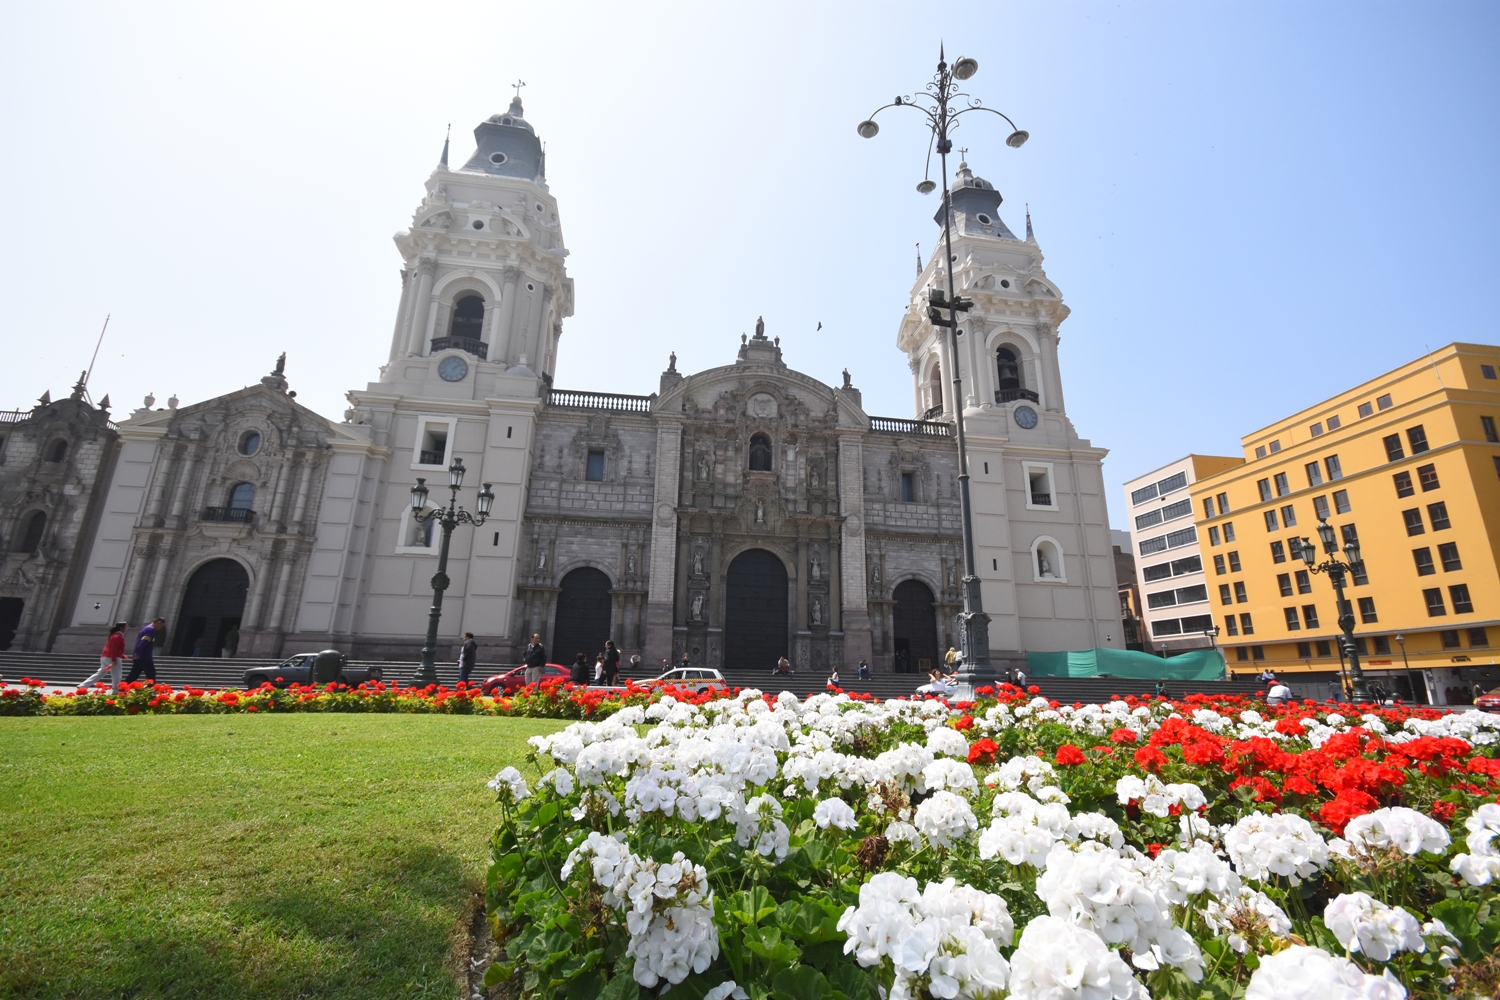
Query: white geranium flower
point(1398, 827)
point(954, 775)
point(944, 818)
point(836, 813)
point(1481, 865)
point(1370, 927)
point(1303, 973)
point(1058, 960)
point(1260, 846)
point(510, 785)
point(951, 742)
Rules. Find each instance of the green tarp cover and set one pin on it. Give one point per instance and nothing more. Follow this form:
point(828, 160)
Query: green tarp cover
point(1198, 665)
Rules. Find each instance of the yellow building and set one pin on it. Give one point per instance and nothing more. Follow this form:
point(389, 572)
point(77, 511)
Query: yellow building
point(1409, 465)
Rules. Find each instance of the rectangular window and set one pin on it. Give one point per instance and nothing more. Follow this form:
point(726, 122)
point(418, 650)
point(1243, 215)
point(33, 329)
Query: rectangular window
point(1367, 611)
point(1172, 511)
point(1148, 519)
point(1478, 638)
point(1304, 650)
point(1461, 603)
point(1275, 447)
point(1497, 465)
point(1427, 477)
point(1247, 626)
point(1283, 485)
point(1234, 562)
point(1171, 483)
point(1270, 517)
point(1167, 626)
point(1316, 430)
point(1183, 537)
point(1341, 501)
point(1413, 519)
point(1284, 581)
point(1334, 423)
point(1140, 496)
point(595, 472)
point(1449, 637)
point(1404, 488)
point(1417, 438)
point(1208, 507)
point(1278, 552)
point(1242, 653)
point(1161, 571)
point(1192, 595)
point(1197, 623)
point(1310, 615)
point(1304, 582)
point(1219, 565)
point(1383, 402)
point(1324, 648)
point(1365, 409)
point(1314, 474)
point(1190, 564)
point(1382, 644)
point(1350, 533)
point(1320, 508)
point(1437, 513)
point(1335, 469)
point(1229, 525)
point(1448, 553)
point(1393, 450)
point(1488, 371)
point(1231, 626)
point(1163, 599)
point(1257, 652)
point(1490, 434)
point(1223, 504)
point(1360, 573)
point(1260, 452)
point(1435, 606)
point(1224, 597)
point(1240, 597)
point(432, 444)
point(1264, 485)
point(1288, 516)
point(909, 487)
point(1213, 535)
point(1423, 558)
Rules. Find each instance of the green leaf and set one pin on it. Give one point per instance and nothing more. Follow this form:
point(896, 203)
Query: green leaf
point(546, 814)
point(766, 942)
point(498, 973)
point(587, 986)
point(799, 983)
point(1461, 918)
point(621, 986)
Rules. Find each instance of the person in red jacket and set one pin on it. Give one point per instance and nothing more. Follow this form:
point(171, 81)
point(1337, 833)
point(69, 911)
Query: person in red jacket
point(111, 658)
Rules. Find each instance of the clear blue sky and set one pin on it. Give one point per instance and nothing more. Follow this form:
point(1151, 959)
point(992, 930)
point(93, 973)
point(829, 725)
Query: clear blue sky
point(1248, 206)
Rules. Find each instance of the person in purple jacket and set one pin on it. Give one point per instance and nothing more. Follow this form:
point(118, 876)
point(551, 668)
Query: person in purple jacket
point(143, 661)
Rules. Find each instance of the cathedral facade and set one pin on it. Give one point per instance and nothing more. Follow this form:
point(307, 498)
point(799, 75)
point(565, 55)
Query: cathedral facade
point(733, 515)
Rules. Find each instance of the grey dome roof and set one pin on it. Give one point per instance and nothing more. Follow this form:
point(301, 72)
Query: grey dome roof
point(506, 146)
point(965, 179)
point(976, 206)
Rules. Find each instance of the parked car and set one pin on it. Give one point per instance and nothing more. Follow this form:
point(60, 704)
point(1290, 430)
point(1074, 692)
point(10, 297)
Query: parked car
point(697, 678)
point(513, 680)
point(298, 669)
point(1489, 701)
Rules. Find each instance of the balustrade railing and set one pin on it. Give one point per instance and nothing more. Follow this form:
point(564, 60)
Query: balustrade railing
point(617, 402)
point(1011, 395)
point(478, 348)
point(920, 428)
point(1041, 499)
point(234, 515)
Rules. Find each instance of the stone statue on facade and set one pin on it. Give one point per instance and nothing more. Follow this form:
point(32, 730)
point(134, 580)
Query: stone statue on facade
point(698, 563)
point(760, 511)
point(630, 565)
point(698, 607)
point(541, 559)
point(1044, 568)
point(760, 328)
point(703, 469)
point(812, 476)
point(817, 612)
point(817, 567)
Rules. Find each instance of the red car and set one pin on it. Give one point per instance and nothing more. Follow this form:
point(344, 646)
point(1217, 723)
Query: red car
point(1489, 701)
point(513, 680)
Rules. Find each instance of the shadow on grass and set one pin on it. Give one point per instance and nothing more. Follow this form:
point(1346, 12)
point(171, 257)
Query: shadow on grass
point(387, 937)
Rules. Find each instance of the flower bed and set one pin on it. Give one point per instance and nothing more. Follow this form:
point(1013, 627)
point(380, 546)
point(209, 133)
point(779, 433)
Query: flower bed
point(774, 848)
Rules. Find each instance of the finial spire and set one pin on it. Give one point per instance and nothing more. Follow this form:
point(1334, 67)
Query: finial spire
point(919, 258)
point(1029, 237)
point(446, 137)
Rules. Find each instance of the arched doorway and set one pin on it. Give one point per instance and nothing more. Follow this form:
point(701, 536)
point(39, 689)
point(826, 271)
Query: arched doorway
point(755, 625)
point(914, 624)
point(583, 613)
point(211, 608)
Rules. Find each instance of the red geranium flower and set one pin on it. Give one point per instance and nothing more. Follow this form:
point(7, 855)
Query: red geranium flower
point(1122, 736)
point(964, 722)
point(982, 751)
point(1150, 758)
point(1068, 755)
point(1346, 805)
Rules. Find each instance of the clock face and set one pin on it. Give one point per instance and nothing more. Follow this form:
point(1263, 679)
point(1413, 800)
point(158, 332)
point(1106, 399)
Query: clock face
point(1026, 417)
point(453, 368)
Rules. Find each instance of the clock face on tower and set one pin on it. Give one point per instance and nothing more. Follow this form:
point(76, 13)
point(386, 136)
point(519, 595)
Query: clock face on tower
point(1026, 417)
point(453, 368)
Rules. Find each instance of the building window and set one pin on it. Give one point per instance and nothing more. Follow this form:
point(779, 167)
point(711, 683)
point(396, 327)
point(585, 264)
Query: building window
point(1234, 562)
point(1275, 447)
point(1413, 519)
point(1229, 525)
point(1320, 508)
point(909, 494)
point(1223, 504)
point(31, 538)
point(1231, 626)
point(1334, 423)
point(468, 318)
point(1284, 581)
point(1270, 516)
point(1427, 477)
point(1292, 624)
point(1260, 451)
point(1278, 552)
point(1257, 652)
point(250, 443)
point(1161, 571)
point(1417, 437)
point(1448, 553)
point(1382, 643)
point(1367, 610)
point(1213, 535)
point(1247, 626)
point(1383, 402)
point(1335, 469)
point(1009, 369)
point(1423, 558)
point(1404, 487)
point(1449, 637)
point(1240, 597)
point(1393, 450)
point(1208, 507)
point(1461, 603)
point(1310, 615)
point(1488, 423)
point(1304, 582)
point(1283, 486)
point(1316, 430)
point(432, 443)
point(1488, 371)
point(1264, 485)
point(1219, 565)
point(1140, 496)
point(1365, 409)
point(1478, 638)
point(1288, 516)
point(1304, 650)
point(1224, 596)
point(1039, 492)
point(242, 497)
point(1435, 606)
point(1314, 474)
point(57, 450)
point(1341, 501)
point(594, 472)
point(1437, 513)
point(760, 454)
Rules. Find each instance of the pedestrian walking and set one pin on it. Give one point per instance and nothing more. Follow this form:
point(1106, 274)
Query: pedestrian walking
point(950, 657)
point(1021, 678)
point(611, 662)
point(142, 661)
point(598, 668)
point(535, 659)
point(111, 658)
point(468, 653)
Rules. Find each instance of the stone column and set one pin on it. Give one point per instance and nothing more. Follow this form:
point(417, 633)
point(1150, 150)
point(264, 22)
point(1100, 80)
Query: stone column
point(171, 459)
point(158, 580)
point(402, 308)
point(416, 334)
point(855, 604)
point(140, 569)
point(1046, 335)
point(662, 557)
point(184, 484)
point(500, 343)
point(264, 564)
point(309, 463)
point(278, 500)
point(973, 384)
point(278, 609)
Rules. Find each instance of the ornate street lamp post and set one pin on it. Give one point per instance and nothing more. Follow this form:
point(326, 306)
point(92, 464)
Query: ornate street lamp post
point(1335, 569)
point(942, 103)
point(447, 518)
point(1411, 681)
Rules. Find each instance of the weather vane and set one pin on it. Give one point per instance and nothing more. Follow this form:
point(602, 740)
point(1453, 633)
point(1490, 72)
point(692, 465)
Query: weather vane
point(518, 85)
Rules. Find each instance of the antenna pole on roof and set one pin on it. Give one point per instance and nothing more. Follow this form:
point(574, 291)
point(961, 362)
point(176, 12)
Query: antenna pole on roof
point(96, 351)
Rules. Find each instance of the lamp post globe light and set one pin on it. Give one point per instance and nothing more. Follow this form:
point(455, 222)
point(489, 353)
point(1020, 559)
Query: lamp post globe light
point(941, 103)
point(1336, 570)
point(447, 519)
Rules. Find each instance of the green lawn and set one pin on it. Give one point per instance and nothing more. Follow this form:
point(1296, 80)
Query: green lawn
point(232, 856)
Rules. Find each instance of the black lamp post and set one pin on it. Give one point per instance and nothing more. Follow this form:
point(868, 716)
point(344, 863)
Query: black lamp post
point(936, 102)
point(447, 518)
point(1336, 570)
point(1411, 681)
point(1213, 644)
